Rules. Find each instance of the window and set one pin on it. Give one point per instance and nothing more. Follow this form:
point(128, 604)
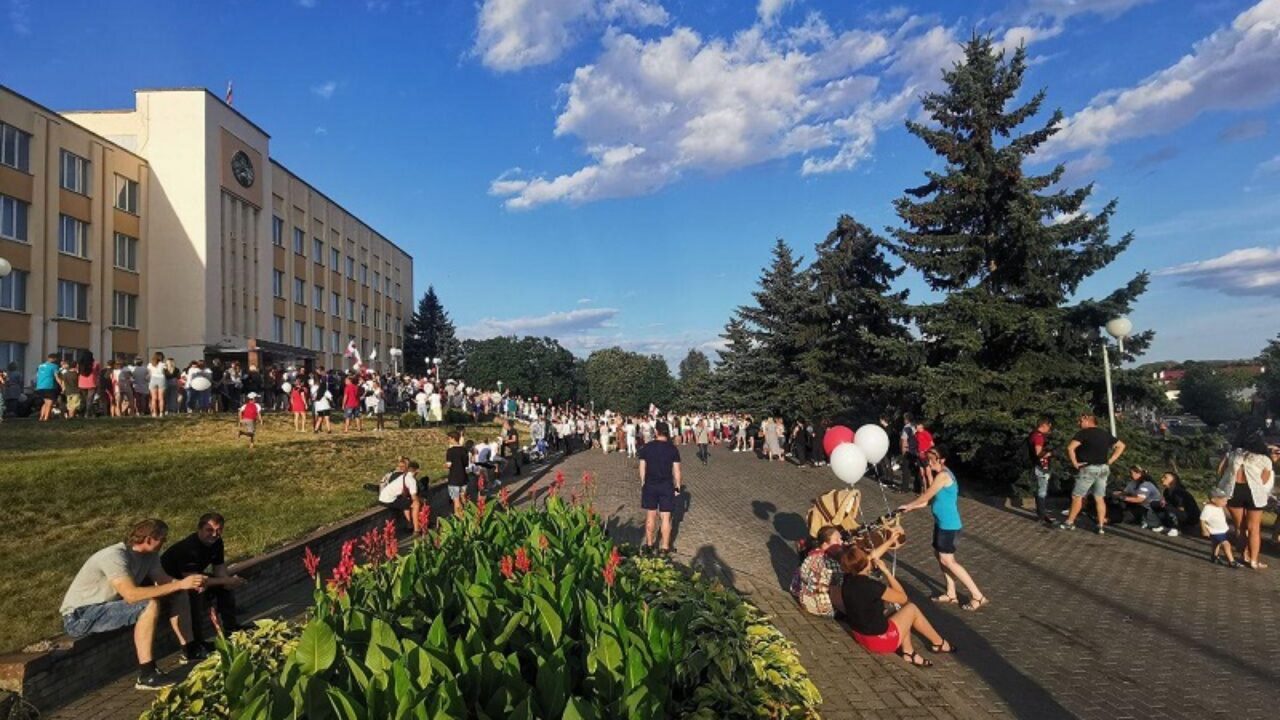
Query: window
point(377, 319)
point(351, 310)
point(364, 275)
point(14, 352)
point(299, 241)
point(299, 333)
point(73, 300)
point(364, 314)
point(397, 292)
point(70, 354)
point(75, 173)
point(335, 257)
point(387, 290)
point(300, 291)
point(277, 283)
point(13, 292)
point(335, 304)
point(124, 310)
point(317, 337)
point(126, 194)
point(277, 231)
point(334, 341)
point(277, 328)
point(73, 236)
point(13, 218)
point(15, 148)
point(317, 250)
point(351, 267)
point(317, 297)
point(126, 252)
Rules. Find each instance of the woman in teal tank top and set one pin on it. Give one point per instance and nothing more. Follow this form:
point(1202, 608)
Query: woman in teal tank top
point(942, 497)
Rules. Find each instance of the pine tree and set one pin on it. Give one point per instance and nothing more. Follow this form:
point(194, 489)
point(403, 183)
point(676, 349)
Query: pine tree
point(853, 331)
point(696, 383)
point(774, 326)
point(431, 334)
point(1009, 340)
point(738, 374)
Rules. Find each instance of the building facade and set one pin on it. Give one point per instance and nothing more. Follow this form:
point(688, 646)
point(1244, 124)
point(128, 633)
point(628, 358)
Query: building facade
point(185, 237)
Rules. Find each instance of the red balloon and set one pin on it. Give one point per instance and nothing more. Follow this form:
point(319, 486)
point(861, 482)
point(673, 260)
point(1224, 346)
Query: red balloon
point(835, 435)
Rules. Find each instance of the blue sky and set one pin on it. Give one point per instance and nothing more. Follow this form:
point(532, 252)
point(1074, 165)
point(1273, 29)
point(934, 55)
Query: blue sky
point(615, 171)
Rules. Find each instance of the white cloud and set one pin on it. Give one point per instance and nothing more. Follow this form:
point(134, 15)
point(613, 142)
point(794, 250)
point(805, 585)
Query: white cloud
point(325, 90)
point(649, 111)
point(1234, 68)
point(19, 17)
point(552, 324)
point(515, 34)
point(584, 301)
point(769, 10)
point(1063, 9)
point(1249, 271)
point(321, 130)
point(1269, 167)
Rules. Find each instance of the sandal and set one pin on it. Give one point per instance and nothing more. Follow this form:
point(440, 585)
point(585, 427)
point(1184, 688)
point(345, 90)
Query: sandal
point(975, 603)
point(916, 659)
point(943, 648)
point(945, 599)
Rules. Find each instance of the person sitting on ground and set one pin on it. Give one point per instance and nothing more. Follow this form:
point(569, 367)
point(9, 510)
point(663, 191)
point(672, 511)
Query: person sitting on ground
point(201, 553)
point(1213, 525)
point(1180, 510)
point(401, 493)
point(864, 606)
point(1141, 497)
point(122, 585)
point(816, 584)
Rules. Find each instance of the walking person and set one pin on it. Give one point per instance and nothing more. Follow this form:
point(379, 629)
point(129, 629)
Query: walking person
point(660, 482)
point(510, 447)
point(942, 497)
point(298, 406)
point(456, 459)
point(250, 412)
point(1253, 481)
point(1092, 453)
point(321, 404)
point(351, 405)
point(1039, 455)
point(700, 437)
point(47, 385)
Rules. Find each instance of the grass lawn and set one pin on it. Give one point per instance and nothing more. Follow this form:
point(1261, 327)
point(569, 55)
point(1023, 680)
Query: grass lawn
point(70, 488)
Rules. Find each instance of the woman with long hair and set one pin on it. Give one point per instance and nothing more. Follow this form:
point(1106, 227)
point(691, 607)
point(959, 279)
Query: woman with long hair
point(87, 383)
point(156, 383)
point(816, 583)
point(1253, 481)
point(942, 497)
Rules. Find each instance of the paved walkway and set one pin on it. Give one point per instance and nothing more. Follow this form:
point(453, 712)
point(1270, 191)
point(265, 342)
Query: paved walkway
point(1130, 625)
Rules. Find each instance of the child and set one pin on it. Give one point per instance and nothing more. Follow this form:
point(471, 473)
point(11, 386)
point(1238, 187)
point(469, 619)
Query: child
point(1213, 523)
point(249, 413)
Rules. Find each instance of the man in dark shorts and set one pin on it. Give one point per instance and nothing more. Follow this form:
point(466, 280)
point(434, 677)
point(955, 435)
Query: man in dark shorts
point(1092, 452)
point(660, 483)
point(456, 460)
point(202, 553)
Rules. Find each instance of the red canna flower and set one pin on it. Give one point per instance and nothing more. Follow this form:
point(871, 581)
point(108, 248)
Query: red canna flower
point(506, 567)
point(311, 562)
point(371, 546)
point(424, 518)
point(610, 574)
point(522, 560)
point(341, 579)
point(504, 498)
point(390, 543)
point(615, 557)
point(480, 482)
point(611, 564)
point(543, 542)
point(480, 505)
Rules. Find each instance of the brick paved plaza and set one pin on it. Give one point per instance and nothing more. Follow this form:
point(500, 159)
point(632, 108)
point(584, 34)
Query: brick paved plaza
point(1130, 625)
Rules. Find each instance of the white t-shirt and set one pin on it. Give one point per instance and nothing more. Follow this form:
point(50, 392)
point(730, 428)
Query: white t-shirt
point(323, 402)
point(396, 488)
point(1214, 518)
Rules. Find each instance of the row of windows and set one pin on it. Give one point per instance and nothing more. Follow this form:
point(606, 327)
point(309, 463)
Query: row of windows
point(317, 296)
point(73, 234)
point(73, 300)
point(15, 152)
point(335, 256)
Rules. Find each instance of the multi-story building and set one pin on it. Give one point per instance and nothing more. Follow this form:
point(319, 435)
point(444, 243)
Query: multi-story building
point(170, 227)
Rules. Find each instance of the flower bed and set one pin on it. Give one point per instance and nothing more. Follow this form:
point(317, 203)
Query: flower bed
point(513, 614)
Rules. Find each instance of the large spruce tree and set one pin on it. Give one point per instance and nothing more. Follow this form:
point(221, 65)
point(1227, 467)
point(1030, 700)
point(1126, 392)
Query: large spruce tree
point(697, 383)
point(1009, 338)
point(431, 334)
point(774, 326)
point(852, 329)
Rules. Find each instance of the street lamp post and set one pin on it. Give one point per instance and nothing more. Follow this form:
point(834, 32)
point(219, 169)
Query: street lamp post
point(1118, 328)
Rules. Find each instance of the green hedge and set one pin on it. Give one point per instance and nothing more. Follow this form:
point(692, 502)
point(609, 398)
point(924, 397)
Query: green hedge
point(517, 614)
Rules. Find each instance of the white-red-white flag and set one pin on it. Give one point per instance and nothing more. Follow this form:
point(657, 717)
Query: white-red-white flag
point(230, 94)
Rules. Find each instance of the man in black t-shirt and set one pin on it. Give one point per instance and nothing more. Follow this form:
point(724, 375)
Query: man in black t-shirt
point(1092, 452)
point(201, 553)
point(456, 459)
point(660, 483)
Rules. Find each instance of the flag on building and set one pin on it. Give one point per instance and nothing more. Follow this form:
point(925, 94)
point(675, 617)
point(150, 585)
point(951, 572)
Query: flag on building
point(230, 93)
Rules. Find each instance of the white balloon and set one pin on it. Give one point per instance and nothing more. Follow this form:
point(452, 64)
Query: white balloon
point(288, 388)
point(849, 463)
point(200, 383)
point(872, 440)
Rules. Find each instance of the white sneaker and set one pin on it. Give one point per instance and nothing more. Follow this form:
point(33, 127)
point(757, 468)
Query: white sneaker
point(1173, 532)
point(1157, 529)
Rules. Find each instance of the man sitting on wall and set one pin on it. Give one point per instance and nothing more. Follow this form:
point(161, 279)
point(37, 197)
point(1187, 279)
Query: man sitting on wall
point(122, 585)
point(201, 553)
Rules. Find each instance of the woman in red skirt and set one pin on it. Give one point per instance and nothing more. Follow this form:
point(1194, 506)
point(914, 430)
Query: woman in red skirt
point(298, 404)
point(864, 606)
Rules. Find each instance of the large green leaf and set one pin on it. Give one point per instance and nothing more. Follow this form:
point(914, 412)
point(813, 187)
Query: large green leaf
point(549, 618)
point(344, 706)
point(317, 648)
point(579, 709)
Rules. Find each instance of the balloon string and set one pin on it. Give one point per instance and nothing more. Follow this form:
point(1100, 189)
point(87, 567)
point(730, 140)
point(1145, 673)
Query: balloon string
point(885, 497)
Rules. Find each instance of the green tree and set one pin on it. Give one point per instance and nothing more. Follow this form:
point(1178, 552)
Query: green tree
point(1207, 394)
point(431, 334)
point(627, 382)
point(697, 383)
point(526, 366)
point(1008, 340)
point(856, 347)
point(1269, 381)
point(774, 326)
point(739, 371)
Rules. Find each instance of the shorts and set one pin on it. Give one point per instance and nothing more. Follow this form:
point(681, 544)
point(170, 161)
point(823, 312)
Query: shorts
point(102, 617)
point(322, 413)
point(1242, 497)
point(156, 383)
point(944, 541)
point(249, 427)
point(50, 394)
point(351, 413)
point(1091, 480)
point(457, 491)
point(400, 503)
point(657, 497)
point(882, 644)
point(1217, 538)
